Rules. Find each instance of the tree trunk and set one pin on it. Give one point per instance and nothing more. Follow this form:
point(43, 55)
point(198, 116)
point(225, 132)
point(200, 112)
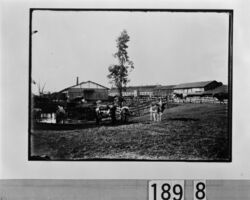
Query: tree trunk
point(121, 86)
point(120, 96)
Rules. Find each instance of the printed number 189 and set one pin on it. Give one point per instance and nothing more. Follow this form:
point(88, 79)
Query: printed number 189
point(166, 190)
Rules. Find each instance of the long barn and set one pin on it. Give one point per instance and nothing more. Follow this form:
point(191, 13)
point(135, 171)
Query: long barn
point(134, 91)
point(184, 89)
point(195, 88)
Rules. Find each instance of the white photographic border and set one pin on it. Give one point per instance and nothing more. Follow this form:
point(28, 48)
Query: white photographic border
point(14, 54)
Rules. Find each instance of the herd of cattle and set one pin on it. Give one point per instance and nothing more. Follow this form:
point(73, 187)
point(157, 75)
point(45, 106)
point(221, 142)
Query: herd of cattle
point(67, 112)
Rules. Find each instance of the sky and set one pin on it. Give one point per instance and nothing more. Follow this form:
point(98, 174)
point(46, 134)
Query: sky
point(166, 47)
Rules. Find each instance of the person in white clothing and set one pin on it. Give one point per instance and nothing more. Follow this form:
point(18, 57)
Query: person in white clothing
point(151, 112)
point(155, 108)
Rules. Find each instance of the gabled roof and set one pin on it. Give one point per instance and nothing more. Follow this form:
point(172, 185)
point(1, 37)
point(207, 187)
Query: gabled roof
point(97, 84)
point(143, 86)
point(65, 89)
point(192, 85)
point(220, 89)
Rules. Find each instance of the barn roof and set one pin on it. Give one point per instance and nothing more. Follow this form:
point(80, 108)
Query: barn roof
point(143, 86)
point(193, 85)
point(165, 87)
point(220, 89)
point(137, 87)
point(65, 89)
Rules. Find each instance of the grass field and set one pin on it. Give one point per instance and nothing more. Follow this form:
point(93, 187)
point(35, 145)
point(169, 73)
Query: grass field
point(187, 132)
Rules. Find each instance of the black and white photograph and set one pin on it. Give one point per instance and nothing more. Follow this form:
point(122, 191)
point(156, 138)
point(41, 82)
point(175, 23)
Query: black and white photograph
point(132, 85)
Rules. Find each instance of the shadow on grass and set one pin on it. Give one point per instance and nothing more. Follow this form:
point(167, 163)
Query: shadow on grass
point(50, 126)
point(183, 119)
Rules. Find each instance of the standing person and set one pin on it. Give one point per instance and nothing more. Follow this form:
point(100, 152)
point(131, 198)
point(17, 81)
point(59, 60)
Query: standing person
point(155, 108)
point(124, 114)
point(113, 113)
point(160, 110)
point(97, 112)
point(60, 114)
point(97, 115)
point(151, 112)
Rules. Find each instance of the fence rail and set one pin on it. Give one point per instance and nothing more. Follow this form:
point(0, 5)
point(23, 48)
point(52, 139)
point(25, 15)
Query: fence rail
point(140, 107)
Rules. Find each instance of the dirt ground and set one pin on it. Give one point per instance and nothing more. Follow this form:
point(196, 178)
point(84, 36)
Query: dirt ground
point(191, 132)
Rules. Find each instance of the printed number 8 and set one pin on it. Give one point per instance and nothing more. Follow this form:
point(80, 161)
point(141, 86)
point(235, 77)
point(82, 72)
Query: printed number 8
point(165, 191)
point(200, 193)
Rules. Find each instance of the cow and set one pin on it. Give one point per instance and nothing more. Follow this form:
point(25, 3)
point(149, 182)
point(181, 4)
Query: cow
point(102, 111)
point(111, 111)
point(221, 97)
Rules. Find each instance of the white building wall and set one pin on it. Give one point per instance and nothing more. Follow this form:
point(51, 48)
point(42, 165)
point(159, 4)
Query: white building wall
point(189, 90)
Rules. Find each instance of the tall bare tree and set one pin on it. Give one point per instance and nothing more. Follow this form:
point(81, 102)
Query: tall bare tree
point(118, 73)
point(40, 87)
